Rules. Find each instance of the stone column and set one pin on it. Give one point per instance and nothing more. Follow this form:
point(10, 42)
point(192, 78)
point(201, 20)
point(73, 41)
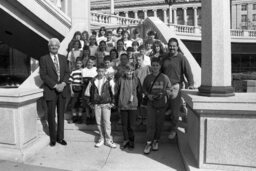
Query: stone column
point(135, 14)
point(112, 7)
point(80, 12)
point(126, 14)
point(155, 12)
point(185, 17)
point(195, 17)
point(175, 16)
point(145, 14)
point(216, 49)
point(170, 14)
point(165, 15)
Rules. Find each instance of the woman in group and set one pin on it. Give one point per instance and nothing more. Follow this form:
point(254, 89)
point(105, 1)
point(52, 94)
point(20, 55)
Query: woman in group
point(157, 50)
point(73, 54)
point(77, 36)
point(85, 38)
point(101, 35)
point(126, 39)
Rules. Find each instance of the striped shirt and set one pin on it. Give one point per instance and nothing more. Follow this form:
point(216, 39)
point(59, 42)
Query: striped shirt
point(76, 77)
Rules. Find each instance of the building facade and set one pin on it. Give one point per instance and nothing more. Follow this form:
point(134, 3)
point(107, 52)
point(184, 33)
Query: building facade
point(183, 12)
point(244, 14)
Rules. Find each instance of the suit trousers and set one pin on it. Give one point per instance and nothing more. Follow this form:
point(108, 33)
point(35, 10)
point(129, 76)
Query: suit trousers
point(59, 102)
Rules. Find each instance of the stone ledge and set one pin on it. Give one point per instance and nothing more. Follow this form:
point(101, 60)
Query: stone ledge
point(21, 155)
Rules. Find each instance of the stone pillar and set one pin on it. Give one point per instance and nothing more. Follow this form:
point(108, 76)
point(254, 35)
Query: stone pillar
point(174, 16)
point(126, 14)
point(145, 14)
point(165, 15)
point(66, 6)
point(185, 17)
point(216, 49)
point(155, 12)
point(195, 17)
point(135, 14)
point(112, 7)
point(170, 14)
point(80, 13)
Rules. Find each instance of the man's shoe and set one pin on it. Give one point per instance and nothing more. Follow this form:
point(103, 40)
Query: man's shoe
point(52, 143)
point(62, 142)
point(147, 148)
point(155, 145)
point(111, 144)
point(99, 143)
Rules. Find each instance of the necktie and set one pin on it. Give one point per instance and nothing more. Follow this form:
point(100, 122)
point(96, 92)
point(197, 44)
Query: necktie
point(57, 67)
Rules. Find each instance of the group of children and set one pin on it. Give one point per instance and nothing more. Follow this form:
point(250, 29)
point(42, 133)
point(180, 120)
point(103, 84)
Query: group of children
point(118, 74)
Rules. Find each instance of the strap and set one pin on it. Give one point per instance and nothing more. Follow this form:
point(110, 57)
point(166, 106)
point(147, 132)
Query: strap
point(154, 82)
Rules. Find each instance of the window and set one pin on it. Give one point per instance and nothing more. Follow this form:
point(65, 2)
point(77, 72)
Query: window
point(244, 7)
point(254, 7)
point(244, 18)
point(254, 17)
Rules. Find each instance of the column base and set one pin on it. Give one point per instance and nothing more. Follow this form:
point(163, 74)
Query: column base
point(216, 91)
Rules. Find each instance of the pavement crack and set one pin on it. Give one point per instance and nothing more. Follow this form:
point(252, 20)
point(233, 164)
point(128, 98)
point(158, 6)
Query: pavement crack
point(107, 158)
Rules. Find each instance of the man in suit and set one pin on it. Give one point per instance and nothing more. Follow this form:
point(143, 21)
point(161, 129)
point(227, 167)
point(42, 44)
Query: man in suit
point(54, 72)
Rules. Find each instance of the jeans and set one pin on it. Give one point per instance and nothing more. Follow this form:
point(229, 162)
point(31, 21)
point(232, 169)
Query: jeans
point(102, 115)
point(155, 121)
point(128, 118)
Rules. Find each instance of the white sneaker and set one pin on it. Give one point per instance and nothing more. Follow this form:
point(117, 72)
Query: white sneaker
point(99, 143)
point(155, 145)
point(111, 144)
point(172, 135)
point(147, 148)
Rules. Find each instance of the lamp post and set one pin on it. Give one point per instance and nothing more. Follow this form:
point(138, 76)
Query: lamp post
point(170, 3)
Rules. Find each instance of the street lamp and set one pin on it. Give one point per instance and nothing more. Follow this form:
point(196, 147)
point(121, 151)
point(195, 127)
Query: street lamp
point(170, 3)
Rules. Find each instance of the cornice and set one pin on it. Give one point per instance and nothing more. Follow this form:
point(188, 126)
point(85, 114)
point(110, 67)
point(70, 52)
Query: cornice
point(63, 18)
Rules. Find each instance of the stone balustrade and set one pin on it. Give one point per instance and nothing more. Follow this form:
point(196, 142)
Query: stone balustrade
point(113, 19)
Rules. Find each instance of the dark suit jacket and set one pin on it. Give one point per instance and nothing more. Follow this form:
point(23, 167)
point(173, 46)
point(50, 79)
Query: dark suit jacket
point(49, 76)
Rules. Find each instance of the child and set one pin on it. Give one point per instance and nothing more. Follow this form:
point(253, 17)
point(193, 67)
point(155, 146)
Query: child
point(129, 92)
point(110, 41)
point(137, 37)
point(85, 55)
point(93, 45)
point(131, 55)
point(147, 60)
point(76, 91)
point(141, 72)
point(157, 87)
point(100, 91)
point(101, 52)
point(110, 72)
point(124, 61)
point(88, 73)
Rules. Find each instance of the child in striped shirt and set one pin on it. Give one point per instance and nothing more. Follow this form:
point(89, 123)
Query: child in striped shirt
point(76, 87)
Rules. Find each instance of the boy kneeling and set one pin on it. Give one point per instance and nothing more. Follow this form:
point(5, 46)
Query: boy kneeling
point(100, 91)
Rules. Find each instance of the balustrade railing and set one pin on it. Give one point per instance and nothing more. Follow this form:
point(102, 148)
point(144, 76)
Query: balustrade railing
point(113, 19)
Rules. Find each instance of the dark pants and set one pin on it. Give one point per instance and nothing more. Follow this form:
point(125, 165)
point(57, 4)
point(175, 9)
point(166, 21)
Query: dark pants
point(155, 122)
point(128, 118)
point(51, 105)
